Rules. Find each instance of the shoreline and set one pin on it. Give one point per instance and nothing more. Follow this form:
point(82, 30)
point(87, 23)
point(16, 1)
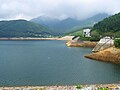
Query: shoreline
point(31, 39)
point(108, 55)
point(65, 38)
point(65, 87)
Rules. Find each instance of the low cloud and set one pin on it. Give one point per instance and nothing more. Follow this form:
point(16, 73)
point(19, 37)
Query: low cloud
point(81, 9)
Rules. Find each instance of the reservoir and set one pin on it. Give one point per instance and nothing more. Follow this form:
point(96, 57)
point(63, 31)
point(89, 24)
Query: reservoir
point(51, 63)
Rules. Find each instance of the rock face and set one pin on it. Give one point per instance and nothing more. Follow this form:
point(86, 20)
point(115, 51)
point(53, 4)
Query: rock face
point(80, 43)
point(108, 55)
point(104, 43)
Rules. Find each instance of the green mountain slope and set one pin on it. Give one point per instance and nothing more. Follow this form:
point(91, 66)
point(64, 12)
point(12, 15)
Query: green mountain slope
point(68, 24)
point(109, 26)
point(23, 28)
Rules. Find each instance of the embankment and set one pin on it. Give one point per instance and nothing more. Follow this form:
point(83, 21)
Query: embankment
point(33, 38)
point(108, 55)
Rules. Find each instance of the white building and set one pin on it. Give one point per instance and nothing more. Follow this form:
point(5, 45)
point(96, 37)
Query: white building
point(86, 32)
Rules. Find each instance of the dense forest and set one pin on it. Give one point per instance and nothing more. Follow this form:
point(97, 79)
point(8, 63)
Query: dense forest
point(108, 27)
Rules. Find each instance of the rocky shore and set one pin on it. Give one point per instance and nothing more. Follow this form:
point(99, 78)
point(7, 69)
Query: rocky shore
point(111, 54)
point(108, 55)
point(74, 87)
point(73, 43)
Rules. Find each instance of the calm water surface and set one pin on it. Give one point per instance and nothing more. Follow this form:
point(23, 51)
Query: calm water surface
point(51, 63)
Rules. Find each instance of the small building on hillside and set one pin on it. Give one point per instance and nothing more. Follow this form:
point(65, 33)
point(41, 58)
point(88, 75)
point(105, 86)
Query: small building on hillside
point(86, 32)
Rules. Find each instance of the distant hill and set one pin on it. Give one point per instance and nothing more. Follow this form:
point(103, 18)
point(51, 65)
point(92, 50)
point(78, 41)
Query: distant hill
point(23, 28)
point(109, 26)
point(44, 20)
point(68, 24)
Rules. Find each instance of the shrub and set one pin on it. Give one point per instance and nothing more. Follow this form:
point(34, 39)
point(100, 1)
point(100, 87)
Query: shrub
point(117, 42)
point(95, 36)
point(101, 88)
point(85, 38)
point(78, 87)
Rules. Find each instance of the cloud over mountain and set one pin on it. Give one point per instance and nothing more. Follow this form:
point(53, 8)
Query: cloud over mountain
point(81, 9)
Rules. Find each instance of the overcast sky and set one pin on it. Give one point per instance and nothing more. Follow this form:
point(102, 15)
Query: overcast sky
point(27, 9)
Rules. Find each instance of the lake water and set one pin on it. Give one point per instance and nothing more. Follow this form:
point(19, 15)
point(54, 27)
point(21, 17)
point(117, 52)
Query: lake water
point(51, 63)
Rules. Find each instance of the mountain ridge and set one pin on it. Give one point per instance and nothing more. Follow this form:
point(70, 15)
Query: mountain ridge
point(23, 28)
point(69, 24)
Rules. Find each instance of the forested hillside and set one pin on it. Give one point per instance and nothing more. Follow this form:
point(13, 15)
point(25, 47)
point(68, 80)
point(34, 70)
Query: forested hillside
point(109, 26)
point(23, 28)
